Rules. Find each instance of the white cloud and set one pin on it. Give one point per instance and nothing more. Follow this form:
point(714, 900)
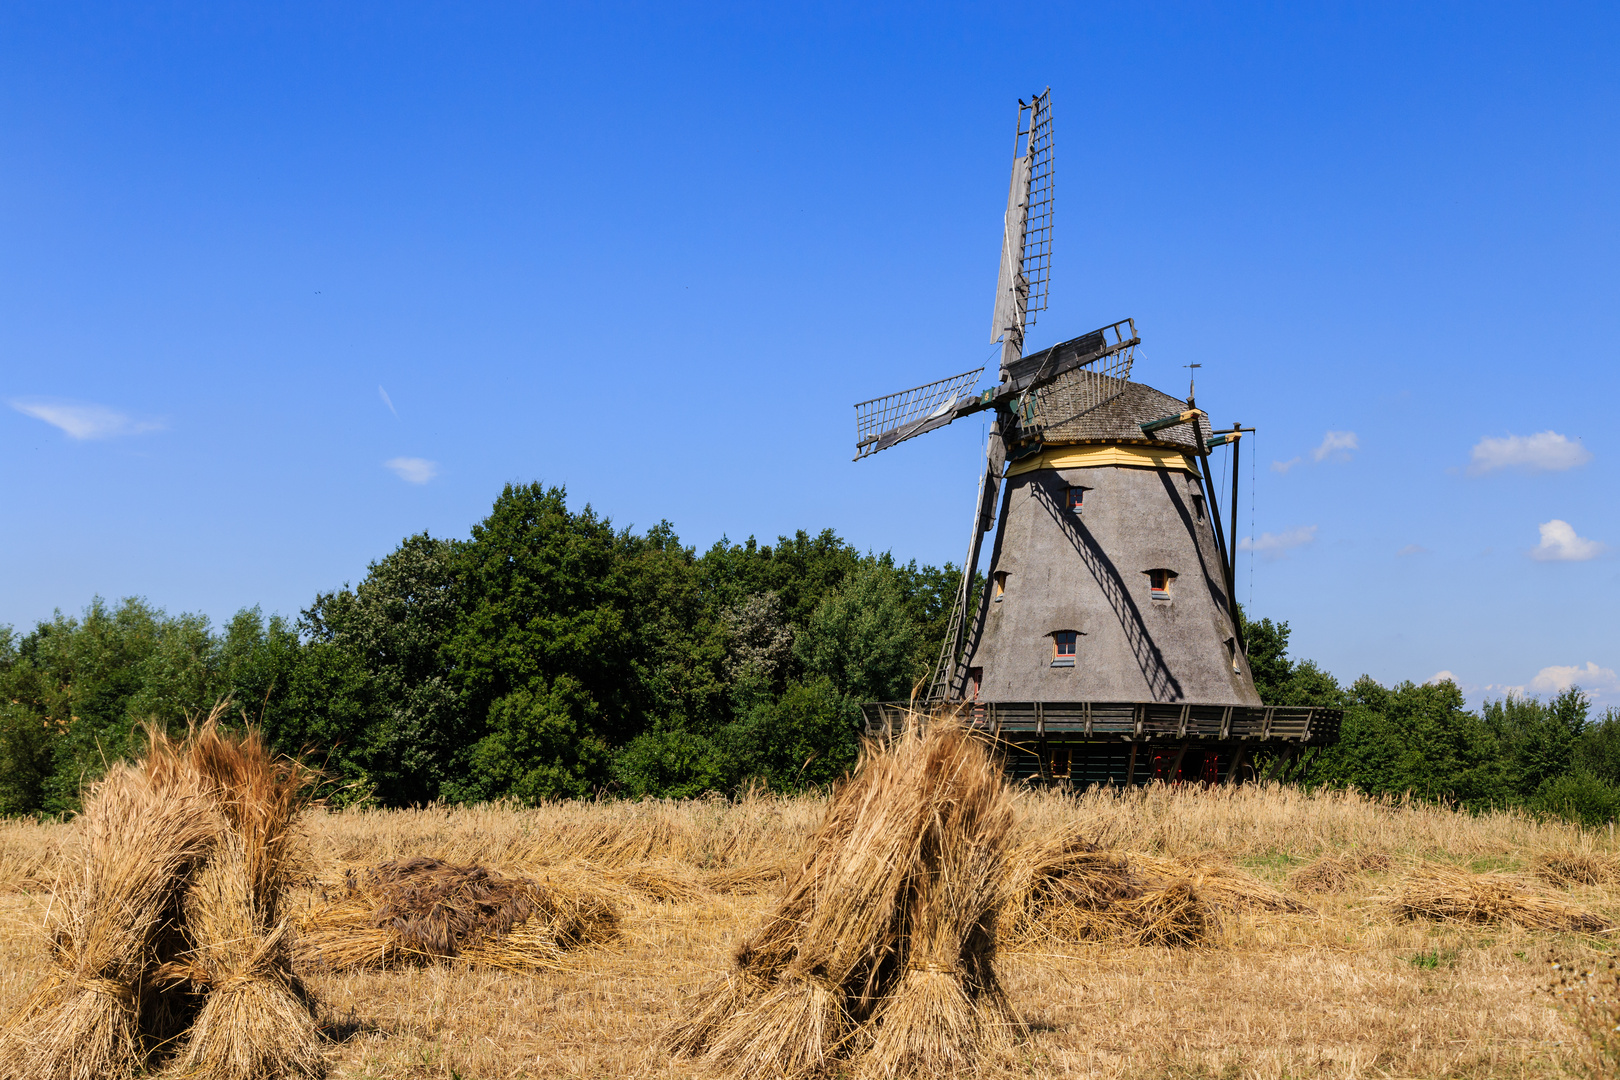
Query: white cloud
point(413, 470)
point(1560, 544)
point(1440, 677)
point(1276, 545)
point(1338, 443)
point(1546, 452)
point(1413, 549)
point(1284, 466)
point(82, 421)
point(1595, 680)
point(388, 401)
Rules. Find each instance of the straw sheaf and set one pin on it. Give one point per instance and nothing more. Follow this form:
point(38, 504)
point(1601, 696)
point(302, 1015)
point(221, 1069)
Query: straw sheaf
point(1451, 894)
point(255, 1020)
point(1336, 873)
point(1569, 868)
point(143, 835)
point(882, 945)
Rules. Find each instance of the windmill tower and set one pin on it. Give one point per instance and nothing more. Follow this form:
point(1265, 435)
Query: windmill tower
point(1105, 646)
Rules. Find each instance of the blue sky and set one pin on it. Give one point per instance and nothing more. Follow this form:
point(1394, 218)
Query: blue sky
point(250, 255)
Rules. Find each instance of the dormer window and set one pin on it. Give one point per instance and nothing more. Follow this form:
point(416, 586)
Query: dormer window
point(1063, 647)
point(1159, 582)
point(1000, 580)
point(1075, 499)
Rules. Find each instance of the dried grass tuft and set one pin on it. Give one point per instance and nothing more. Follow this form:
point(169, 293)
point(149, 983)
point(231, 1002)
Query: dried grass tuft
point(142, 837)
point(1452, 894)
point(882, 946)
point(420, 910)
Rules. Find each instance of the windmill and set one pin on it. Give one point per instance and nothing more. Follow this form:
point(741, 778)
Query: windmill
point(1106, 644)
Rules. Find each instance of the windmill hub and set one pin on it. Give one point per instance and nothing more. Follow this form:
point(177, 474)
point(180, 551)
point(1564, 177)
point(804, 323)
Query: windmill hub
point(1105, 646)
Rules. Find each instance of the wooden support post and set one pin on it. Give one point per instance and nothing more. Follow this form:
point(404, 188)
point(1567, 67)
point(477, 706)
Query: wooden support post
point(1237, 763)
point(1176, 768)
point(1280, 766)
point(1130, 770)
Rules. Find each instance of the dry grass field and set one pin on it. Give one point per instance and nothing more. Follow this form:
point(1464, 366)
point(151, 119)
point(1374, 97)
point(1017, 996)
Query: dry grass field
point(1334, 983)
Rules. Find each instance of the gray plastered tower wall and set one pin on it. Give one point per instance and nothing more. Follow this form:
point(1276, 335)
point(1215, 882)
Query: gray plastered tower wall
point(1088, 570)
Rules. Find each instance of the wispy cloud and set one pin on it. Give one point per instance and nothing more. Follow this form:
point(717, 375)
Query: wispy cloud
point(413, 470)
point(1560, 544)
point(1413, 549)
point(1336, 444)
point(388, 401)
point(1546, 452)
point(1440, 677)
point(1276, 545)
point(84, 421)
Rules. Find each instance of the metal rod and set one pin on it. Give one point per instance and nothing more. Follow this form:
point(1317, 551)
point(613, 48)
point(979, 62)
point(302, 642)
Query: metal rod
point(1232, 547)
point(1220, 541)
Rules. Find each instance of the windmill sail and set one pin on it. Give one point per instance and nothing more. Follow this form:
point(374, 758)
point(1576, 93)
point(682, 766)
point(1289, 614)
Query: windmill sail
point(1026, 239)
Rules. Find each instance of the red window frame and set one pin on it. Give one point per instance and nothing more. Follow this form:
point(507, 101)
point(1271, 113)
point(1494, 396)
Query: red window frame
point(1064, 642)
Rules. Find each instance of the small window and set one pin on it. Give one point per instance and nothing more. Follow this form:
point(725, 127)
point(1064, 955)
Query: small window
point(1060, 762)
point(1198, 506)
point(1063, 644)
point(1000, 578)
point(1076, 498)
point(1232, 655)
point(975, 681)
point(1159, 582)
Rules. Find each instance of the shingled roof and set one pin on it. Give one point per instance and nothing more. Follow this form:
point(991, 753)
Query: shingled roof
point(1060, 406)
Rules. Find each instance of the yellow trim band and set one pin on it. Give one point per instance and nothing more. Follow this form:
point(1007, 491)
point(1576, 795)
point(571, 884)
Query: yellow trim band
point(1085, 456)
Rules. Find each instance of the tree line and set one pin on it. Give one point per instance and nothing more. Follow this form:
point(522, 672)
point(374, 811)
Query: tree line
point(550, 655)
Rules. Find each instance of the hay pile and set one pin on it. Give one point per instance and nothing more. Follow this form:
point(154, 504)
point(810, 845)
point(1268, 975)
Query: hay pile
point(166, 929)
point(882, 948)
point(416, 911)
point(1449, 893)
point(1334, 873)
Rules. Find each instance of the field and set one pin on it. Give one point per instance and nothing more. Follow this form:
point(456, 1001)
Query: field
point(1342, 987)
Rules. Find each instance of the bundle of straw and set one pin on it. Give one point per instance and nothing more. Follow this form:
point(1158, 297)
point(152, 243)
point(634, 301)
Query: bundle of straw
point(418, 910)
point(884, 940)
point(1060, 887)
point(1220, 886)
point(142, 837)
point(256, 1019)
point(1566, 868)
point(1453, 894)
point(1333, 873)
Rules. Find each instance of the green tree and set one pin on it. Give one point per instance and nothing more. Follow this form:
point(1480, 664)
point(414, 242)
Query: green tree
point(375, 692)
point(544, 648)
